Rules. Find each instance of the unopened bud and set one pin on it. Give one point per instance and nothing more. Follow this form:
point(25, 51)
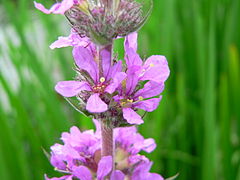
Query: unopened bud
point(104, 20)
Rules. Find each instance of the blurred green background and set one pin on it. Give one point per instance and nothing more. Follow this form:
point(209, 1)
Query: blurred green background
point(197, 125)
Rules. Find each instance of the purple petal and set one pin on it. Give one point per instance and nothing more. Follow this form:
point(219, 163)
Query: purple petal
point(64, 151)
point(74, 131)
point(104, 167)
point(118, 78)
point(71, 88)
point(106, 60)
point(124, 134)
point(114, 70)
point(154, 176)
point(147, 145)
point(61, 42)
point(68, 177)
point(150, 89)
point(141, 172)
point(133, 159)
point(80, 141)
point(95, 104)
point(131, 116)
point(57, 162)
point(130, 139)
point(82, 173)
point(72, 40)
point(148, 105)
point(156, 69)
point(132, 79)
point(80, 41)
point(130, 46)
point(57, 150)
point(131, 41)
point(42, 8)
point(58, 8)
point(84, 60)
point(65, 5)
point(117, 175)
point(132, 58)
point(69, 138)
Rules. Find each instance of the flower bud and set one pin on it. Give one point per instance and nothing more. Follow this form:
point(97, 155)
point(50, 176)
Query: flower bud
point(104, 20)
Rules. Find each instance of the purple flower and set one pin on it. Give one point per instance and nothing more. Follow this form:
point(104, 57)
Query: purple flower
point(155, 70)
point(155, 67)
point(130, 100)
point(58, 8)
point(80, 155)
point(98, 83)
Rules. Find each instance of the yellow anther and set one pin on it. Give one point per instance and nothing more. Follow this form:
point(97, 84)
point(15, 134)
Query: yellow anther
point(151, 65)
point(140, 98)
point(130, 100)
point(102, 79)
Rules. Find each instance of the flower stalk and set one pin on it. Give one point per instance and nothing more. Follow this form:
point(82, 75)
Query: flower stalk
point(107, 140)
point(108, 147)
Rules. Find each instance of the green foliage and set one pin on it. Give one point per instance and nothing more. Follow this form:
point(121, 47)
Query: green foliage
point(196, 127)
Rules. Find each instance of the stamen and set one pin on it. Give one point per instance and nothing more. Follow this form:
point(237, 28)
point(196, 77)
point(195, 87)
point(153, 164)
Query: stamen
point(130, 100)
point(102, 79)
point(140, 98)
point(126, 102)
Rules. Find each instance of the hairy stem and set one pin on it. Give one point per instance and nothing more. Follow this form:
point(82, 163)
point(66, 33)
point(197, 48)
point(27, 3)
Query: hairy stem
point(107, 140)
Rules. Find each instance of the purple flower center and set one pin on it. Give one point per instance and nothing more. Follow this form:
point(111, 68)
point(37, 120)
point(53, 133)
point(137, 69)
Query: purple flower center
point(100, 87)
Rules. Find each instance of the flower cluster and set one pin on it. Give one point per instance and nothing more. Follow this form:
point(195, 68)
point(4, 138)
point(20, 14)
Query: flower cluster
point(109, 90)
point(114, 90)
point(80, 156)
